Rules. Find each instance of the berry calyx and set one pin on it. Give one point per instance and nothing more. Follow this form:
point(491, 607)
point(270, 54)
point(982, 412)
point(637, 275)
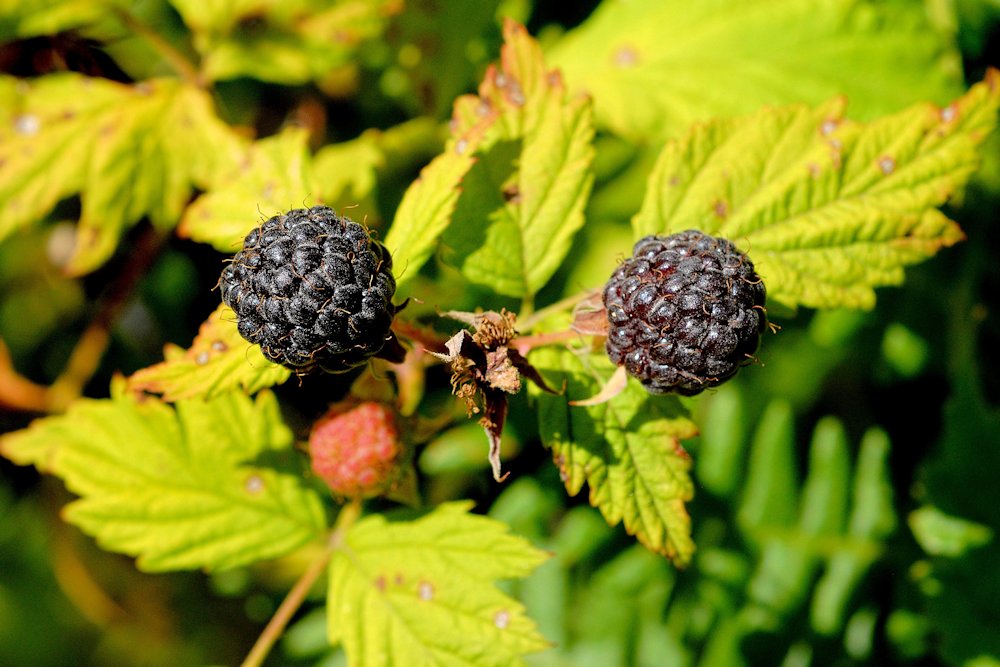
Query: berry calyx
point(685, 312)
point(313, 289)
point(356, 450)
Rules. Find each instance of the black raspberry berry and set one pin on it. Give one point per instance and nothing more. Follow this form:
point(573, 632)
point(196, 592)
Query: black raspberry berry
point(313, 289)
point(685, 312)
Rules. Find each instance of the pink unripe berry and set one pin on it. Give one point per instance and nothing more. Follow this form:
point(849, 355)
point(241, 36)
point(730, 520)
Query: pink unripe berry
point(356, 450)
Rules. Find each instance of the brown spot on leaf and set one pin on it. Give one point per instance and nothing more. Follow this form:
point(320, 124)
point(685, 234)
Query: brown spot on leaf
point(511, 194)
point(720, 208)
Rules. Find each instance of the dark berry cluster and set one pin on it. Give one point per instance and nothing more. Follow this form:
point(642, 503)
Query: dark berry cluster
point(685, 312)
point(313, 290)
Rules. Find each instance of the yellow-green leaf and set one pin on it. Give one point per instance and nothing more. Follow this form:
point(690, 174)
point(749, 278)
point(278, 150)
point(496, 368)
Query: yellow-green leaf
point(828, 209)
point(522, 201)
point(179, 487)
point(280, 41)
point(429, 202)
point(275, 176)
point(654, 67)
point(627, 450)
point(128, 151)
point(218, 361)
point(20, 19)
point(422, 592)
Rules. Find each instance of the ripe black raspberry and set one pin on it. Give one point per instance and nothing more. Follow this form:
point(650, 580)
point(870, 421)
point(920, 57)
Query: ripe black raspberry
point(313, 290)
point(685, 312)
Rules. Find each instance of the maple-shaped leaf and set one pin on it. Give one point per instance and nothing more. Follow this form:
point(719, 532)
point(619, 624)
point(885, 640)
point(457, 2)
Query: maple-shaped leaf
point(128, 150)
point(522, 201)
point(627, 450)
point(422, 592)
point(218, 361)
point(654, 67)
point(828, 209)
point(274, 176)
point(180, 487)
point(281, 41)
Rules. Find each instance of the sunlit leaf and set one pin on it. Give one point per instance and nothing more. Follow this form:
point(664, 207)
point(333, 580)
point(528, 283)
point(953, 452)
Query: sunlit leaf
point(429, 203)
point(280, 41)
point(828, 209)
point(423, 592)
point(182, 487)
point(522, 201)
point(47, 17)
point(218, 361)
point(941, 534)
point(626, 450)
point(128, 151)
point(654, 67)
point(275, 176)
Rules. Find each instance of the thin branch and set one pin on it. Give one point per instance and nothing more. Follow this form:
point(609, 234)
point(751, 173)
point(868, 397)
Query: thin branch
point(177, 60)
point(90, 348)
point(276, 626)
point(16, 391)
point(526, 344)
point(533, 319)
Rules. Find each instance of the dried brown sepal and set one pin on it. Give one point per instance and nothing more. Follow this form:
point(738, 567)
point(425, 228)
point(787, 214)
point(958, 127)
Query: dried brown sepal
point(615, 385)
point(484, 369)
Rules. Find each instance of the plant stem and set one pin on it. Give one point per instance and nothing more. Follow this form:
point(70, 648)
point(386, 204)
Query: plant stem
point(526, 344)
point(16, 391)
point(177, 60)
point(89, 349)
point(276, 626)
point(529, 322)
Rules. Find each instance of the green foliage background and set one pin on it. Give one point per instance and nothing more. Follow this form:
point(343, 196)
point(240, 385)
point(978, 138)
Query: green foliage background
point(842, 493)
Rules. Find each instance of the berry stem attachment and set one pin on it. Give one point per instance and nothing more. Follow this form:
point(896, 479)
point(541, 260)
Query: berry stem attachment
point(276, 626)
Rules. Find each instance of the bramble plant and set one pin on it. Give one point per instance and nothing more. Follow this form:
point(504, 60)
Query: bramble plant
point(421, 338)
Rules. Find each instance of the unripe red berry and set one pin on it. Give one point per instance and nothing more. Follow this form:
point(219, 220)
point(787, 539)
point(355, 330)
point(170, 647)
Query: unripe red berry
point(356, 449)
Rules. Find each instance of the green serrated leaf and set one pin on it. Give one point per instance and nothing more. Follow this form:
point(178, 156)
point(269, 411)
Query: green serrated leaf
point(429, 203)
point(522, 201)
point(828, 209)
point(627, 450)
point(283, 42)
point(421, 592)
point(218, 361)
point(19, 19)
point(180, 488)
point(655, 67)
point(129, 151)
point(217, 16)
point(275, 176)
point(347, 173)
